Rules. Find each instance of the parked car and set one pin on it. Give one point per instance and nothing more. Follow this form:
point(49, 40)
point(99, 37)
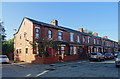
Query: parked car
point(96, 56)
point(4, 59)
point(117, 60)
point(109, 56)
point(116, 53)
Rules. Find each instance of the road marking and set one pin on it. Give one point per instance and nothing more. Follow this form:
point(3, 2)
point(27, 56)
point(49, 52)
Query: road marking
point(42, 73)
point(28, 75)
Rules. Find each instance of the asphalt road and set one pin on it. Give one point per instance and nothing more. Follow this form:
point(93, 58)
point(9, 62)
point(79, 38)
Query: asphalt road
point(67, 69)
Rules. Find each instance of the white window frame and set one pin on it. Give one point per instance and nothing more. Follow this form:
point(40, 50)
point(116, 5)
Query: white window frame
point(88, 39)
point(78, 38)
point(94, 41)
point(50, 35)
point(83, 39)
point(72, 37)
point(37, 33)
point(60, 35)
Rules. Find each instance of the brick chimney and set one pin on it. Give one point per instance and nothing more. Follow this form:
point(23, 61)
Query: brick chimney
point(95, 34)
point(80, 29)
point(105, 37)
point(54, 22)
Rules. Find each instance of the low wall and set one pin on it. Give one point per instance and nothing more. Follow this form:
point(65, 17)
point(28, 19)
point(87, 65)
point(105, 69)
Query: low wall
point(71, 58)
point(45, 60)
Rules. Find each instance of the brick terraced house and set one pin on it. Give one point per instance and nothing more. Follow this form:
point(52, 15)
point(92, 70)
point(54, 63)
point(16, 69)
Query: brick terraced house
point(75, 43)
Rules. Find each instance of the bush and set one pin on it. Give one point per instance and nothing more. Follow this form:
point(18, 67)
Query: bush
point(45, 53)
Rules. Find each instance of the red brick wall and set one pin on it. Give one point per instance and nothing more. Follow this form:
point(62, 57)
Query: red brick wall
point(45, 60)
point(71, 58)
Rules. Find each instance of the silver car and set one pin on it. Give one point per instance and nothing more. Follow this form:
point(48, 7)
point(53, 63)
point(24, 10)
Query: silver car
point(4, 59)
point(117, 60)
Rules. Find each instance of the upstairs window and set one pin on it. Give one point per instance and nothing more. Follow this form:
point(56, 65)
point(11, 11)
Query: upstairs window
point(37, 33)
point(49, 34)
point(71, 37)
point(78, 38)
point(60, 36)
point(88, 39)
point(94, 41)
point(83, 39)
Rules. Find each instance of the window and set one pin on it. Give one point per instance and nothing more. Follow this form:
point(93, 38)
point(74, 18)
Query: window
point(78, 38)
point(58, 51)
point(83, 39)
point(88, 39)
point(94, 41)
point(71, 50)
point(20, 36)
point(49, 34)
point(19, 50)
point(74, 50)
point(59, 35)
point(62, 50)
point(25, 34)
point(37, 33)
point(71, 37)
point(26, 50)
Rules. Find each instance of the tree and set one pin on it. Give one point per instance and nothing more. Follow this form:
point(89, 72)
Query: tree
point(87, 31)
point(8, 46)
point(2, 31)
point(119, 42)
point(44, 44)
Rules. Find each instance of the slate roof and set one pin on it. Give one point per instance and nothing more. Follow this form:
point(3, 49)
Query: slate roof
point(64, 28)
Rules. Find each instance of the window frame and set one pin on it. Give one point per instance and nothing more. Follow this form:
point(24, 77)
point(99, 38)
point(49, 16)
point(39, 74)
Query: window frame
point(72, 37)
point(60, 35)
point(78, 38)
point(37, 34)
point(49, 34)
point(26, 50)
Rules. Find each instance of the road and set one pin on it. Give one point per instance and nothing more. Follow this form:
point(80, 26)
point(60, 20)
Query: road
point(66, 69)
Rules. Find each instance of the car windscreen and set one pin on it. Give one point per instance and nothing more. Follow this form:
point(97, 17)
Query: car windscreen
point(108, 54)
point(3, 56)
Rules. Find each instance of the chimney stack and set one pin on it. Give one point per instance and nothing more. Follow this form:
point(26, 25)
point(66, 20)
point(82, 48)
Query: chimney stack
point(80, 29)
point(54, 22)
point(105, 37)
point(95, 34)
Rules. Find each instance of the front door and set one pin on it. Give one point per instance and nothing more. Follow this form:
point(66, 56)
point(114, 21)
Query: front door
point(61, 51)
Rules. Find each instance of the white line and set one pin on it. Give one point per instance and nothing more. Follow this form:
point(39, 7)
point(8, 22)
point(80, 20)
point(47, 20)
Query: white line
point(41, 73)
point(28, 75)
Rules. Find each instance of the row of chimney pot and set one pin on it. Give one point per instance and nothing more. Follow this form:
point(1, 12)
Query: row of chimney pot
point(55, 23)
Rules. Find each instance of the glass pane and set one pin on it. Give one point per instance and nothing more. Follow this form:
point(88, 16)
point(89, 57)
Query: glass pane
point(37, 35)
point(50, 32)
point(49, 36)
point(60, 33)
point(59, 37)
point(37, 30)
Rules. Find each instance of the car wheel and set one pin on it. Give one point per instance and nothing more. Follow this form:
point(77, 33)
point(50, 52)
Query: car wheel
point(117, 65)
point(99, 59)
point(89, 59)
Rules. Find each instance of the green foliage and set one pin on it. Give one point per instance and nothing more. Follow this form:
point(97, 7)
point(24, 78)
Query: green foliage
point(45, 53)
point(44, 44)
point(119, 42)
point(8, 46)
point(87, 31)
